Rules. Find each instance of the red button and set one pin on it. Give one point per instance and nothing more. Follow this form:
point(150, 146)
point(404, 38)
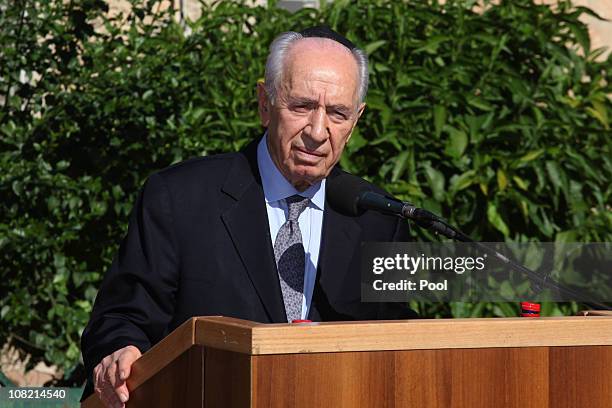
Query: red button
point(535, 307)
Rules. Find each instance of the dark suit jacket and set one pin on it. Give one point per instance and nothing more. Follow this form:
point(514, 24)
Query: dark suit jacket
point(198, 243)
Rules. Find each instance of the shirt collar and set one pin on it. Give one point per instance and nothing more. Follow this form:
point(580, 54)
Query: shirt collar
point(275, 185)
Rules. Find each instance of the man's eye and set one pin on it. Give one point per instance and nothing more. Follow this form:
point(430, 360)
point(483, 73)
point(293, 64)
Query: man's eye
point(300, 108)
point(340, 115)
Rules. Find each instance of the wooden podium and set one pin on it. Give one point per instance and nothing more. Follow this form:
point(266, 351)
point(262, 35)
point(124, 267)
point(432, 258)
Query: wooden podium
point(497, 362)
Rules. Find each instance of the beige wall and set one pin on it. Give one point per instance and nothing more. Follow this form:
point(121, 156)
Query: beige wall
point(601, 31)
point(13, 365)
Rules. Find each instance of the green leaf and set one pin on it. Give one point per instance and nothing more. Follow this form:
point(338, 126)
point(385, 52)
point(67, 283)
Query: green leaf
point(531, 156)
point(504, 309)
point(496, 220)
point(4, 311)
point(400, 165)
point(479, 103)
point(373, 46)
point(356, 142)
point(463, 181)
point(520, 182)
point(456, 143)
point(506, 291)
point(581, 33)
point(439, 116)
point(436, 182)
point(566, 236)
point(432, 44)
point(376, 101)
point(502, 180)
point(600, 112)
point(557, 177)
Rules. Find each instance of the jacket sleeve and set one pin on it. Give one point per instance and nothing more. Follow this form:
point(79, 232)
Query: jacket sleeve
point(135, 302)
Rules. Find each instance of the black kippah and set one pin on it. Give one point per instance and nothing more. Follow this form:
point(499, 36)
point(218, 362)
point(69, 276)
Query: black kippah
point(326, 32)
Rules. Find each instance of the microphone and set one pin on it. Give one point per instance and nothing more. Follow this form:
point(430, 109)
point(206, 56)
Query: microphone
point(352, 195)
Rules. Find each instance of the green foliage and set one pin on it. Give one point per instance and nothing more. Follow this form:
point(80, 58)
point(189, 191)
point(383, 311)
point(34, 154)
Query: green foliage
point(497, 120)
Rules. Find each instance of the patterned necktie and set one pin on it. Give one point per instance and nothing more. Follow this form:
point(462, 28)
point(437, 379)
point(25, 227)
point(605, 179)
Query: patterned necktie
point(290, 258)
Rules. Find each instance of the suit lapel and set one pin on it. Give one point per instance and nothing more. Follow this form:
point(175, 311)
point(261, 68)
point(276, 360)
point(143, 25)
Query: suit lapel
point(247, 224)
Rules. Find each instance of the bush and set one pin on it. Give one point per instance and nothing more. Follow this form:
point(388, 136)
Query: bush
point(498, 120)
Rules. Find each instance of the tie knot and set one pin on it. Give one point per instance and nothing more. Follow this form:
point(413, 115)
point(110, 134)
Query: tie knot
point(296, 204)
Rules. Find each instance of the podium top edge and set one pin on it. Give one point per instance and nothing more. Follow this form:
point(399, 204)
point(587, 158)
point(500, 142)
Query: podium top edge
point(247, 324)
point(260, 339)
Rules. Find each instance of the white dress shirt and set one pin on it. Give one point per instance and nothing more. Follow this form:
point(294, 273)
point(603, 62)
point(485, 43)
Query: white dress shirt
point(276, 188)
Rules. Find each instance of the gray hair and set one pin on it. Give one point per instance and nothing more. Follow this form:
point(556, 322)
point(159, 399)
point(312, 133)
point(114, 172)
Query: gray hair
point(276, 61)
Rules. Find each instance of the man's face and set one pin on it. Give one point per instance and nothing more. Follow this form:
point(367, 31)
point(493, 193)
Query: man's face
point(315, 110)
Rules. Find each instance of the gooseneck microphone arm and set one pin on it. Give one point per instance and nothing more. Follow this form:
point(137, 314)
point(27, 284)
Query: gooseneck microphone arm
point(440, 226)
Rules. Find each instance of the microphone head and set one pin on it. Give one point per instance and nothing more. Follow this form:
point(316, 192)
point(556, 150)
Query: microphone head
point(344, 193)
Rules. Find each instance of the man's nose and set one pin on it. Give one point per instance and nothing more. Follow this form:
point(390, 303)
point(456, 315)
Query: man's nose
point(319, 127)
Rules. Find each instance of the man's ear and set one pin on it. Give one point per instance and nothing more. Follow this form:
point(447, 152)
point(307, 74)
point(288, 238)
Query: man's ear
point(360, 111)
point(263, 103)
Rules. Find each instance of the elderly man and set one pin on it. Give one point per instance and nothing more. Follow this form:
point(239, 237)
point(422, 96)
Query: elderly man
point(248, 234)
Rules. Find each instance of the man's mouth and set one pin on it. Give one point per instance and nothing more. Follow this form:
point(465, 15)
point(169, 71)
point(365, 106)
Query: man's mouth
point(309, 153)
